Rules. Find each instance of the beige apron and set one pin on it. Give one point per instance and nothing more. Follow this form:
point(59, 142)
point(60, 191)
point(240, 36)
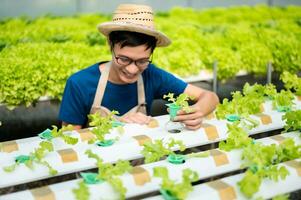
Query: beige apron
point(97, 108)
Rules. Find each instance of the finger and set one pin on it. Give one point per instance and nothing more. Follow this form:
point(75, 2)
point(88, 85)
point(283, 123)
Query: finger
point(137, 119)
point(188, 116)
point(191, 109)
point(144, 118)
point(194, 127)
point(126, 120)
point(148, 119)
point(183, 112)
point(193, 122)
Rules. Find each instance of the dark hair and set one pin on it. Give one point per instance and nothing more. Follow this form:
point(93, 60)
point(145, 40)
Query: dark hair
point(132, 39)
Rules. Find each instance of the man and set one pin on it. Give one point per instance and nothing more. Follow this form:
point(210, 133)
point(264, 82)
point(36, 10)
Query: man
point(129, 82)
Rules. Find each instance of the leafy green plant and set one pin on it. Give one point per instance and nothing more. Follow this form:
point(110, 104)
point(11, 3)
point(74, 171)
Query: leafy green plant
point(238, 38)
point(259, 91)
point(102, 125)
point(34, 74)
point(291, 81)
point(109, 172)
point(2, 45)
point(178, 190)
point(154, 151)
point(254, 49)
point(59, 38)
point(249, 101)
point(258, 158)
point(286, 56)
point(261, 161)
point(286, 151)
point(251, 182)
point(283, 99)
point(228, 60)
point(240, 105)
point(55, 132)
point(82, 192)
point(36, 156)
point(181, 100)
point(270, 91)
point(244, 104)
point(94, 38)
point(262, 155)
point(237, 138)
point(292, 120)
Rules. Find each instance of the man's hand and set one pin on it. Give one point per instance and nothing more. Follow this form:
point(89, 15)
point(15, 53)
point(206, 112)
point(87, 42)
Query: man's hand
point(138, 118)
point(192, 120)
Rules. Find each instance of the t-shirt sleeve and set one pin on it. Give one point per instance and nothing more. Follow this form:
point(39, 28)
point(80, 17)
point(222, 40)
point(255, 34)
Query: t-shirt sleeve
point(166, 82)
point(72, 109)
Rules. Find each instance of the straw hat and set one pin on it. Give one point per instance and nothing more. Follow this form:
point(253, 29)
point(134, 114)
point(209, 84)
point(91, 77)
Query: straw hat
point(135, 18)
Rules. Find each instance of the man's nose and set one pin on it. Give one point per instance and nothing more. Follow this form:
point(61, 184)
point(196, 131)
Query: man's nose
point(132, 68)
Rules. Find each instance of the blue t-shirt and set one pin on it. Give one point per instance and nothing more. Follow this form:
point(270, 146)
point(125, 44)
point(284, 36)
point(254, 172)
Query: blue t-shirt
point(81, 87)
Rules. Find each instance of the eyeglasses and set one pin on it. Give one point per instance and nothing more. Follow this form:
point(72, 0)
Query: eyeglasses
point(125, 61)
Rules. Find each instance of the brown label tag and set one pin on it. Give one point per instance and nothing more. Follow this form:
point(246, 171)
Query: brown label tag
point(141, 176)
point(210, 116)
point(295, 164)
point(220, 158)
point(299, 98)
point(210, 131)
point(264, 118)
point(68, 155)
point(43, 193)
point(225, 191)
point(278, 138)
point(142, 139)
point(86, 134)
point(153, 124)
point(9, 146)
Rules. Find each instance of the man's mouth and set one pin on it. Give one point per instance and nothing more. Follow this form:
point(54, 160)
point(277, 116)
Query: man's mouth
point(128, 75)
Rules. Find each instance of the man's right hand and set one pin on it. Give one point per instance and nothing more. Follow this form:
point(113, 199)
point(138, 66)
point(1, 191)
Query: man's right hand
point(75, 126)
point(138, 118)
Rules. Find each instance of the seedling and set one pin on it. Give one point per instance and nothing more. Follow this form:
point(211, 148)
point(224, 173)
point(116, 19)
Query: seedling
point(172, 190)
point(154, 151)
point(107, 172)
point(292, 121)
point(292, 82)
point(177, 103)
point(283, 101)
point(56, 133)
point(82, 192)
point(261, 160)
point(102, 127)
point(36, 156)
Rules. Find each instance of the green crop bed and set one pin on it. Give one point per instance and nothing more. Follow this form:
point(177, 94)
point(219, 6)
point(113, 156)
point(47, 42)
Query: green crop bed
point(38, 55)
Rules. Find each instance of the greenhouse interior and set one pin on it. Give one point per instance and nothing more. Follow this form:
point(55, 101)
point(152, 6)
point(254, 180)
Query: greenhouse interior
point(150, 99)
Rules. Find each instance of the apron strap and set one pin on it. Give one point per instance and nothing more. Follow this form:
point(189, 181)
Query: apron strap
point(102, 83)
point(96, 106)
point(141, 96)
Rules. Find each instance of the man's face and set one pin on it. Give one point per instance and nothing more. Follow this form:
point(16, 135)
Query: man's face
point(130, 62)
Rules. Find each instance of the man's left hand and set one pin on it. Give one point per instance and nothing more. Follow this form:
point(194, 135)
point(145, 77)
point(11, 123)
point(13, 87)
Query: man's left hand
point(192, 120)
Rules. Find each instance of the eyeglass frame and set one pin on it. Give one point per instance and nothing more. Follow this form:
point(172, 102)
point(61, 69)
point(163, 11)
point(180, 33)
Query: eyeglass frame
point(133, 61)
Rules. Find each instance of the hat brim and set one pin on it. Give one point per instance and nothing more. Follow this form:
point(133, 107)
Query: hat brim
point(107, 27)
